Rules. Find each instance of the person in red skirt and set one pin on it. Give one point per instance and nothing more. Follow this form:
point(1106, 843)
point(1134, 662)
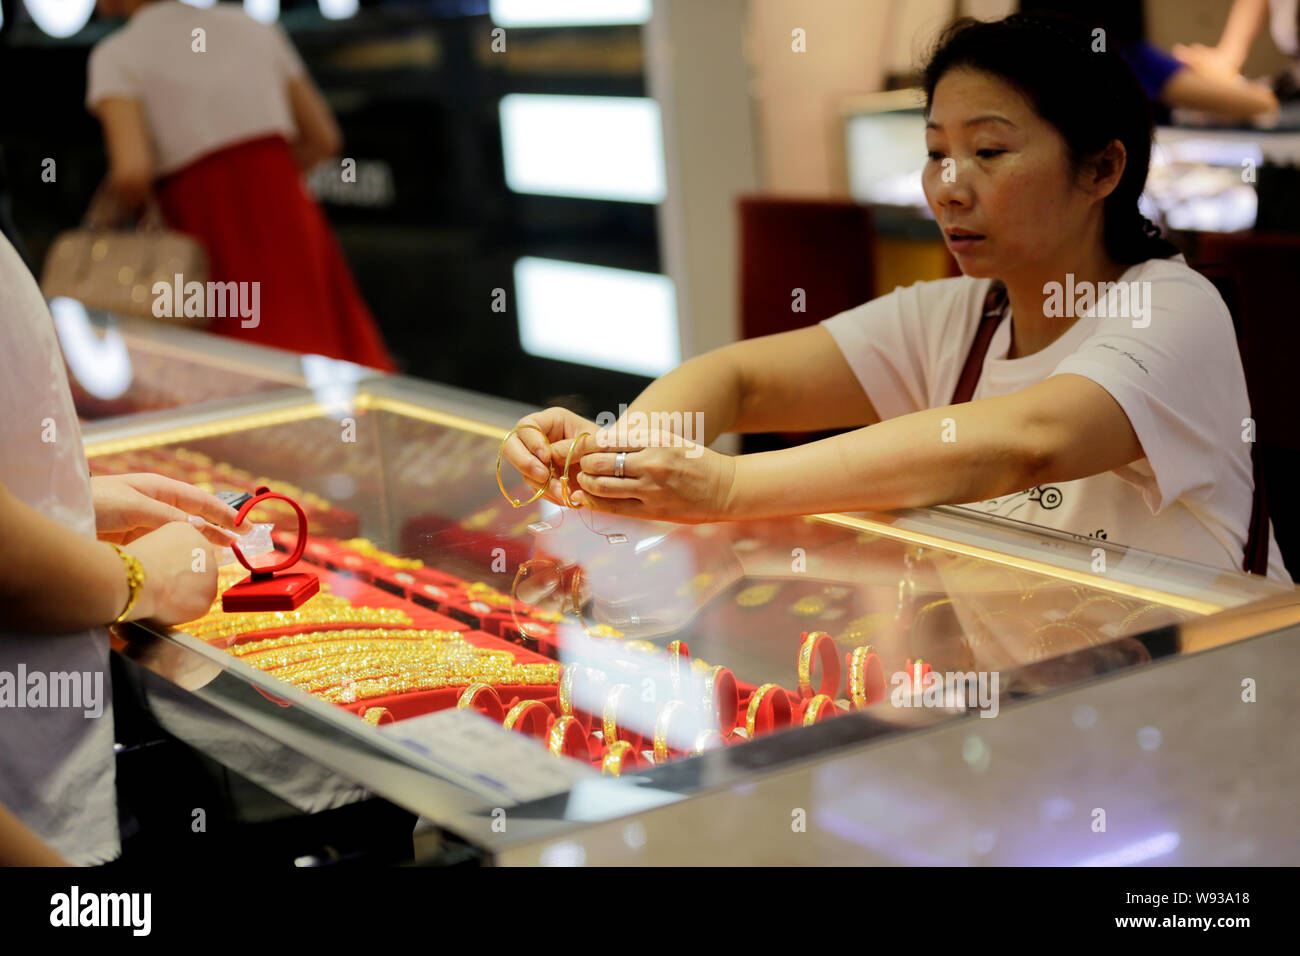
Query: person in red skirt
point(214, 113)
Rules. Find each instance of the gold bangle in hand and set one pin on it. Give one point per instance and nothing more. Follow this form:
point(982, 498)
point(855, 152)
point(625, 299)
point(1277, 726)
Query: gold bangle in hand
point(515, 502)
point(564, 478)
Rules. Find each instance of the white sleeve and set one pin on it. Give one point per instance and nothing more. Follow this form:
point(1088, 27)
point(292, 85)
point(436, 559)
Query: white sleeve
point(287, 62)
point(108, 75)
point(898, 345)
point(1179, 380)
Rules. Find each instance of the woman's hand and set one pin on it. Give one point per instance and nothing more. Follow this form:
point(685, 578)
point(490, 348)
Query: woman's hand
point(180, 573)
point(538, 452)
point(128, 506)
point(665, 477)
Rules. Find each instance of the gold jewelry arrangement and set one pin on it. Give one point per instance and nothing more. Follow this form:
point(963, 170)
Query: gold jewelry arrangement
point(366, 548)
point(757, 595)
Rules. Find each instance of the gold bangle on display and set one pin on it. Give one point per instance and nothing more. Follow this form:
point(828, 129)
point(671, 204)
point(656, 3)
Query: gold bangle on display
point(469, 700)
point(528, 712)
point(515, 502)
point(662, 726)
point(1130, 622)
point(1097, 601)
point(865, 675)
point(609, 722)
point(1050, 639)
point(823, 645)
point(772, 697)
point(721, 699)
point(620, 756)
point(568, 674)
point(813, 711)
point(375, 716)
point(568, 739)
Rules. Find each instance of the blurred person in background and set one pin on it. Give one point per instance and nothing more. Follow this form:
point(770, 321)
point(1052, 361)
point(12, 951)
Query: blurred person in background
point(1170, 82)
point(214, 113)
point(1244, 22)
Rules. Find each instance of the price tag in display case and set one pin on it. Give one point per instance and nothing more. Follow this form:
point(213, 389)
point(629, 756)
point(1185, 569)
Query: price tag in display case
point(494, 763)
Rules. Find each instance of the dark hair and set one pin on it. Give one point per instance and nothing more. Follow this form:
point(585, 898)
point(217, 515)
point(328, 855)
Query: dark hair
point(1091, 97)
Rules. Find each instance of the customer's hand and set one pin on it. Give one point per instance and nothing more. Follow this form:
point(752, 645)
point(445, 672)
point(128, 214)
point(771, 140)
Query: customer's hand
point(128, 506)
point(537, 455)
point(665, 477)
point(180, 574)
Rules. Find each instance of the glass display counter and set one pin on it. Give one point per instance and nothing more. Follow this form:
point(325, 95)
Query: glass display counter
point(518, 675)
point(120, 365)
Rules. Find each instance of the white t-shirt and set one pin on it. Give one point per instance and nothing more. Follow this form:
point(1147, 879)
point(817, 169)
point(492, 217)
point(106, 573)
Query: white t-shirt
point(56, 764)
point(196, 103)
point(1179, 380)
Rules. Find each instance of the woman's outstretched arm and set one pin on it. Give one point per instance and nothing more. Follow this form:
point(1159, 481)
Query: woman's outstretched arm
point(1061, 429)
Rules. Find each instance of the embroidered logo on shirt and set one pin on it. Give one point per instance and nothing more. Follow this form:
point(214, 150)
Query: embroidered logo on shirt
point(1048, 497)
point(1136, 361)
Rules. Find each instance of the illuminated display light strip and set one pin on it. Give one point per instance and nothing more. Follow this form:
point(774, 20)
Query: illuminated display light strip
point(596, 315)
point(587, 147)
point(1096, 582)
point(268, 11)
point(577, 13)
point(189, 433)
point(60, 18)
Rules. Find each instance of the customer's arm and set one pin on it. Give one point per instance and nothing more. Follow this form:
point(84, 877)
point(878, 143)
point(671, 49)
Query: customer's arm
point(1231, 98)
point(130, 156)
point(56, 581)
point(1244, 22)
point(319, 137)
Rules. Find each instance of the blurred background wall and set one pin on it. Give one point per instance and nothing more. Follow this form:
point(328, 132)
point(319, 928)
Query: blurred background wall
point(749, 97)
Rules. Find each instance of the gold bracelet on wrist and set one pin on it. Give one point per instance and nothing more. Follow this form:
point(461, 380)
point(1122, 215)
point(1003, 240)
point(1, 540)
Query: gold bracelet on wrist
point(134, 581)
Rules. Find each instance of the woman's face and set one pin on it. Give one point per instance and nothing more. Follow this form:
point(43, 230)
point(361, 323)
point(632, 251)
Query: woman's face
point(998, 179)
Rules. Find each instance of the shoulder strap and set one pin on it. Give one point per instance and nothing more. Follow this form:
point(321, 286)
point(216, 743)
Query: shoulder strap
point(1256, 561)
point(995, 307)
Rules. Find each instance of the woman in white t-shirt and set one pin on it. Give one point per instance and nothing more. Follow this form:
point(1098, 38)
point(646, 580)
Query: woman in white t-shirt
point(78, 553)
point(1128, 422)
